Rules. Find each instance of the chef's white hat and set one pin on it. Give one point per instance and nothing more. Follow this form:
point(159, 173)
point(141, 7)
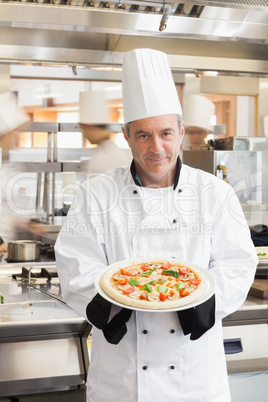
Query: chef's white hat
point(148, 86)
point(198, 111)
point(94, 116)
point(93, 108)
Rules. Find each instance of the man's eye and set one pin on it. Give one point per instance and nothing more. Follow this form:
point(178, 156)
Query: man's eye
point(142, 137)
point(167, 134)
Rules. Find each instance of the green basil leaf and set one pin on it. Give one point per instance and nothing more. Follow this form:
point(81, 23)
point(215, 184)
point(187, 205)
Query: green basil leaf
point(133, 282)
point(148, 272)
point(162, 289)
point(147, 288)
point(150, 290)
point(171, 272)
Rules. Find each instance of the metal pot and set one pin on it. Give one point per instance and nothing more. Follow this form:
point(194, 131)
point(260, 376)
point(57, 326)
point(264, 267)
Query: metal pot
point(23, 250)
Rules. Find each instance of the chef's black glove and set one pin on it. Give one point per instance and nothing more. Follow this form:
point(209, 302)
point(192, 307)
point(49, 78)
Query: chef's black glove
point(198, 320)
point(116, 328)
point(98, 313)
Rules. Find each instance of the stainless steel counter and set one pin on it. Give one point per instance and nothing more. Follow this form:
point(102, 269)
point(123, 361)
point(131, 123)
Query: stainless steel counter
point(245, 335)
point(43, 343)
point(253, 311)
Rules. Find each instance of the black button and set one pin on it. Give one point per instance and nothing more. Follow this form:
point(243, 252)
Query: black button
point(172, 367)
point(180, 190)
point(174, 220)
point(135, 192)
point(145, 331)
point(172, 331)
point(144, 367)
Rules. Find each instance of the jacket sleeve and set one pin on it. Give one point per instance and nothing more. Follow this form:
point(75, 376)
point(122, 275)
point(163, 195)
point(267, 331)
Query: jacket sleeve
point(233, 257)
point(80, 251)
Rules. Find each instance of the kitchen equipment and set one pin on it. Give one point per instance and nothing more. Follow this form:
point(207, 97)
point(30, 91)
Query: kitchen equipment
point(43, 343)
point(23, 250)
point(248, 363)
point(245, 335)
point(46, 171)
point(245, 162)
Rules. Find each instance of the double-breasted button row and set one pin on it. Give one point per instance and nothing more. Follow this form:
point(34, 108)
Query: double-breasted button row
point(172, 367)
point(136, 192)
point(145, 331)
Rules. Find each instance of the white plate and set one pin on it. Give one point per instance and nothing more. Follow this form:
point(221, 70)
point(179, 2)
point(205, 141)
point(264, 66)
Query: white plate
point(122, 264)
point(262, 258)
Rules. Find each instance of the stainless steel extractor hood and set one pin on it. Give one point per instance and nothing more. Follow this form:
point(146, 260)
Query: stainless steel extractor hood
point(85, 32)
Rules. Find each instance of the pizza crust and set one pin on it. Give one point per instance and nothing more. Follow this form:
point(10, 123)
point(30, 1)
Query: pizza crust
point(151, 305)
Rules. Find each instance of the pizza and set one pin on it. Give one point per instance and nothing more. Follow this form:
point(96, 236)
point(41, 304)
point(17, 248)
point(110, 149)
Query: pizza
point(154, 284)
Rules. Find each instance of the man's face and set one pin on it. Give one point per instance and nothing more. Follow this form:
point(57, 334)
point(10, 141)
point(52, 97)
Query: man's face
point(155, 143)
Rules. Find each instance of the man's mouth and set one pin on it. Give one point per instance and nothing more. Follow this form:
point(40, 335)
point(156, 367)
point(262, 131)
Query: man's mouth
point(156, 158)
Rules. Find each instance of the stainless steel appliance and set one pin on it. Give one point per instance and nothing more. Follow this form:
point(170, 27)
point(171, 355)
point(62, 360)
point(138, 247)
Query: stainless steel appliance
point(245, 339)
point(46, 171)
point(24, 250)
point(43, 343)
point(242, 162)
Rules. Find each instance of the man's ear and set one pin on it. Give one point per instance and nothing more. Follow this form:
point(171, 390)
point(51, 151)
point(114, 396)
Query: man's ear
point(182, 129)
point(125, 135)
point(182, 133)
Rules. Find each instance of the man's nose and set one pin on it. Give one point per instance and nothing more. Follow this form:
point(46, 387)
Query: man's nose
point(156, 144)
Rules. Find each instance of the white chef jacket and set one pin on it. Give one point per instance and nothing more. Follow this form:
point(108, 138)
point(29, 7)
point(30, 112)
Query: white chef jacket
point(201, 222)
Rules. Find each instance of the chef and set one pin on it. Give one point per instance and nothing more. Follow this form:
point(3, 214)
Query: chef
point(198, 115)
point(94, 118)
point(156, 207)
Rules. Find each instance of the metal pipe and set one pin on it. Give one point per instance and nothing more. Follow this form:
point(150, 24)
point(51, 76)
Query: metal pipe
point(38, 207)
point(166, 14)
point(224, 172)
point(55, 147)
point(167, 8)
point(49, 182)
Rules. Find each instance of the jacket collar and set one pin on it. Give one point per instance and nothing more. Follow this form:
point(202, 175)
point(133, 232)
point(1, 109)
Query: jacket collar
point(137, 179)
